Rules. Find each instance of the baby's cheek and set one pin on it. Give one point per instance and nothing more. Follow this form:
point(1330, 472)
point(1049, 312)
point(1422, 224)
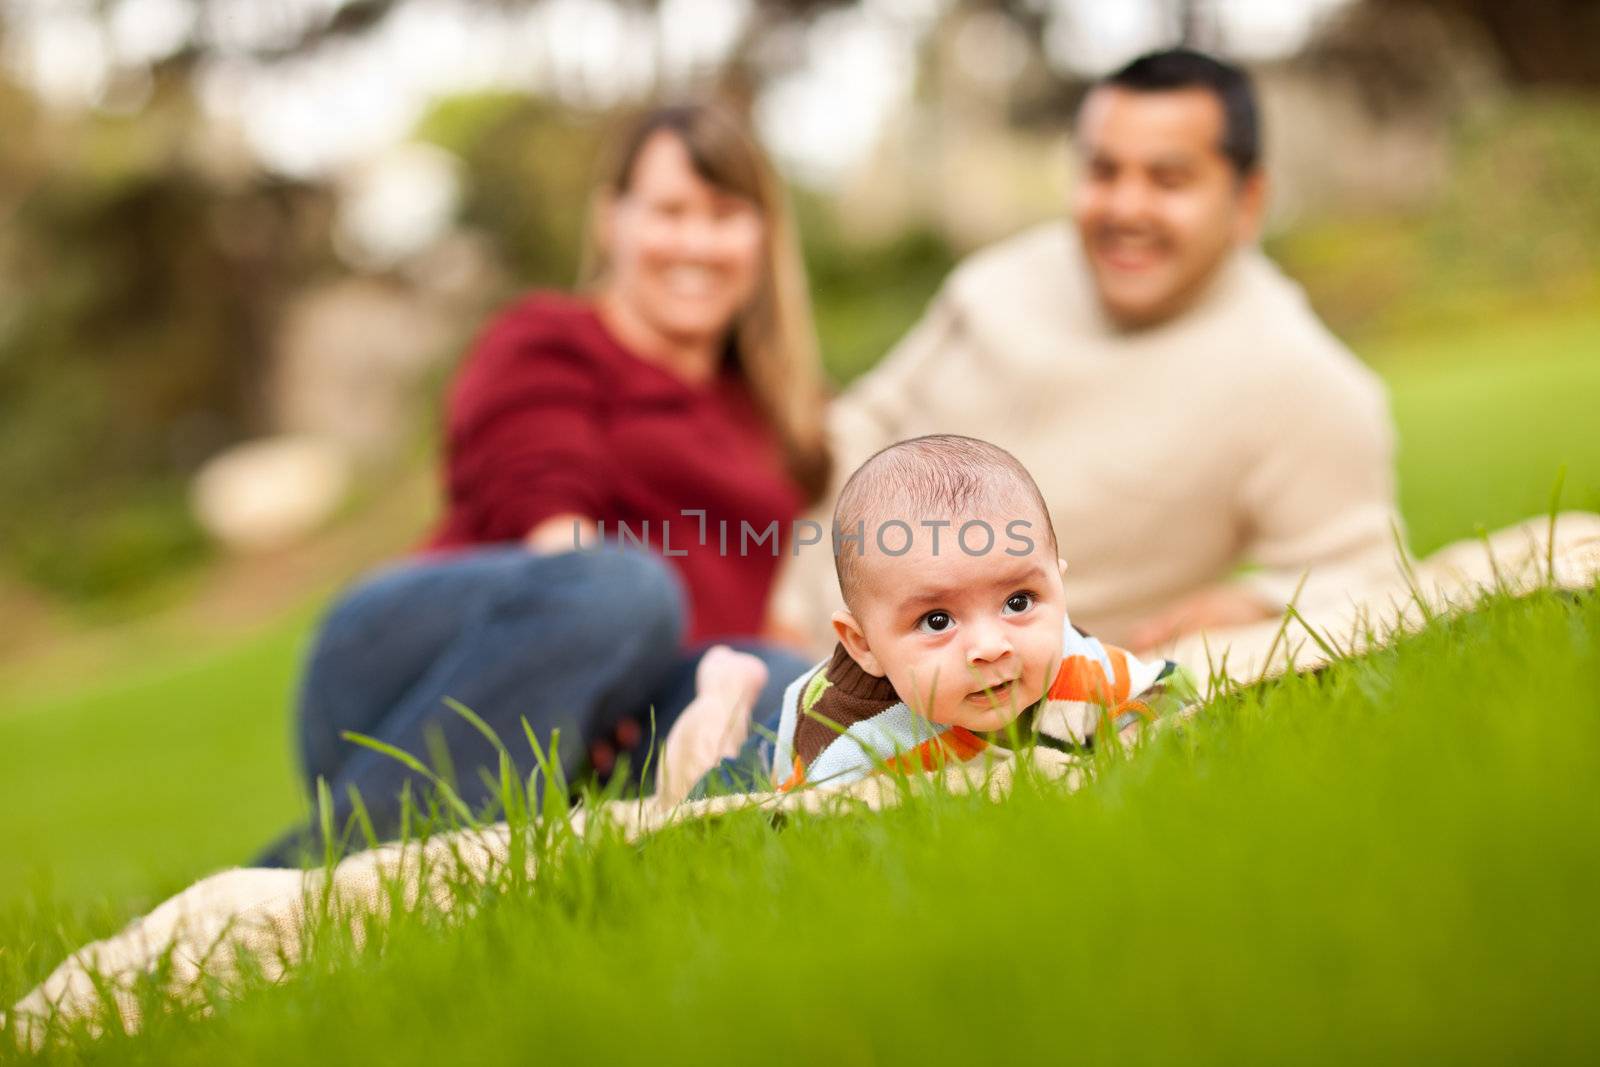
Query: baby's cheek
point(914, 687)
point(926, 682)
point(1043, 660)
point(942, 704)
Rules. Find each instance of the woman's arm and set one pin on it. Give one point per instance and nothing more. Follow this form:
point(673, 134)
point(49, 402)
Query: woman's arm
point(525, 452)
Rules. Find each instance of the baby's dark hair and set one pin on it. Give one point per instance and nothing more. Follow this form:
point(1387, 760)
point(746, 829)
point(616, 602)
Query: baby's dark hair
point(939, 475)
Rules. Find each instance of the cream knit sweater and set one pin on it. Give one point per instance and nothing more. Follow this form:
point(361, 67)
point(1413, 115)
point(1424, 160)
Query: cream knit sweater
point(1242, 431)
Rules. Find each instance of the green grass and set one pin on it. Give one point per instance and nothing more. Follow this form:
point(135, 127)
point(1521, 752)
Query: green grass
point(132, 786)
point(1393, 860)
point(1488, 420)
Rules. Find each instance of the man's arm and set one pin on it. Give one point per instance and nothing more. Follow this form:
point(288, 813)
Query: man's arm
point(1319, 501)
point(1215, 607)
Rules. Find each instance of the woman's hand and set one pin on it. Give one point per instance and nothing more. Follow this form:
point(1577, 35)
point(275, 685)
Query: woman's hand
point(562, 533)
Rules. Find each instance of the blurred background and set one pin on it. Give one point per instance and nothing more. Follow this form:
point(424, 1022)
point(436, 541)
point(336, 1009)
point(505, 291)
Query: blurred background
point(244, 242)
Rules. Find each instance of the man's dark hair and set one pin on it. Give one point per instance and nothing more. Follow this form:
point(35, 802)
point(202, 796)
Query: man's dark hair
point(1184, 68)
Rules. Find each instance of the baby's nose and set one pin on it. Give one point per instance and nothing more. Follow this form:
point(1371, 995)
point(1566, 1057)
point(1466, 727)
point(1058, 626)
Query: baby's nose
point(987, 646)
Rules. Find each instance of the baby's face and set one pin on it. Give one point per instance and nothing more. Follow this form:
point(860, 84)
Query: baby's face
point(966, 640)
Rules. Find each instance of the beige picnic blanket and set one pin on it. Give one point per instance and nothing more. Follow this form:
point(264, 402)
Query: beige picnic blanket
point(212, 926)
point(1518, 559)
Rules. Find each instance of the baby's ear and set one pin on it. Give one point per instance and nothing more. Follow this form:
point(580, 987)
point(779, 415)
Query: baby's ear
point(854, 640)
point(1062, 564)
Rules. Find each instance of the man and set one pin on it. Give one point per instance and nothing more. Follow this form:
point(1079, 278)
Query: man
point(1184, 411)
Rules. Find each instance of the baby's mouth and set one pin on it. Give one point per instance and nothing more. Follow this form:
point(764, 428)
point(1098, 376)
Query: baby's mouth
point(998, 693)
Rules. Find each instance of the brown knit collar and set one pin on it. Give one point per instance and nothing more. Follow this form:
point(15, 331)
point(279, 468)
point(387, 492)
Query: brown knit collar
point(846, 674)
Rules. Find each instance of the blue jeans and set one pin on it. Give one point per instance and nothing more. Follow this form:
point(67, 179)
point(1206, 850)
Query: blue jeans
point(575, 642)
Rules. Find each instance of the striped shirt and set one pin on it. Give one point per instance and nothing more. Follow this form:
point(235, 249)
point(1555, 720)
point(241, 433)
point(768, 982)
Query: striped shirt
point(840, 723)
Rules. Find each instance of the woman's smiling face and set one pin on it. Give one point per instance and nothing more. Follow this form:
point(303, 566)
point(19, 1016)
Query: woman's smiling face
point(684, 254)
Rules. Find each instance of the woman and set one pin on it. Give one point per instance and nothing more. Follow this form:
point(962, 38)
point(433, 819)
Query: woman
point(680, 390)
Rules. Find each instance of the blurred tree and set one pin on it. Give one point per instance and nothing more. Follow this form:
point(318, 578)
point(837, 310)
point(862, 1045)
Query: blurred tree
point(1540, 42)
point(137, 298)
point(291, 31)
point(528, 164)
point(1516, 229)
point(1554, 43)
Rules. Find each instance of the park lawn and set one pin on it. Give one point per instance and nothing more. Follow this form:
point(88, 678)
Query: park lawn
point(1488, 420)
point(123, 790)
point(1394, 861)
point(130, 787)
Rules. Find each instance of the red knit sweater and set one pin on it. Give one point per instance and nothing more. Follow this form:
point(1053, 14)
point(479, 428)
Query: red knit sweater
point(550, 414)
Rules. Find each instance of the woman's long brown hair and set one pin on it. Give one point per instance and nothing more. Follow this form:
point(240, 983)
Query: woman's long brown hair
point(774, 338)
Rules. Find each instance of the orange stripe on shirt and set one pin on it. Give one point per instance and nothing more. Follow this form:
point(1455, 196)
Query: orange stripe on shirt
point(956, 743)
point(1131, 705)
point(925, 757)
point(963, 743)
point(1119, 669)
point(797, 777)
point(1082, 678)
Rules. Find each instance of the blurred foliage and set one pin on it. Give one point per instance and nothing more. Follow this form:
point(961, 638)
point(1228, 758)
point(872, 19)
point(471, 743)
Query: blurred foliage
point(865, 297)
point(528, 165)
point(1517, 226)
point(1552, 43)
point(1522, 205)
point(137, 295)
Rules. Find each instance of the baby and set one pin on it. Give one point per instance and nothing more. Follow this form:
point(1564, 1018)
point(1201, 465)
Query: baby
point(954, 636)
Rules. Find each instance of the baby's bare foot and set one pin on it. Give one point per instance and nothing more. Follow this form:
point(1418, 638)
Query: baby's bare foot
point(726, 673)
point(714, 725)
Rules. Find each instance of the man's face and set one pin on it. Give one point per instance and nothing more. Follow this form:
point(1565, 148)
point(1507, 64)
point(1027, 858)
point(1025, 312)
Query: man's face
point(1157, 205)
point(966, 640)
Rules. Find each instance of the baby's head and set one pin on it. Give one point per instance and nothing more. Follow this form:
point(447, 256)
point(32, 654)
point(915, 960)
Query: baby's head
point(953, 591)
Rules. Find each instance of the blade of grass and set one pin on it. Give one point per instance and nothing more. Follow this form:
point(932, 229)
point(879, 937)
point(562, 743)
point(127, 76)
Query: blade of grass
point(446, 792)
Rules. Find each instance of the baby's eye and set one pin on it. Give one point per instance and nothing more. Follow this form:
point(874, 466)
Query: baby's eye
point(1017, 603)
point(935, 622)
